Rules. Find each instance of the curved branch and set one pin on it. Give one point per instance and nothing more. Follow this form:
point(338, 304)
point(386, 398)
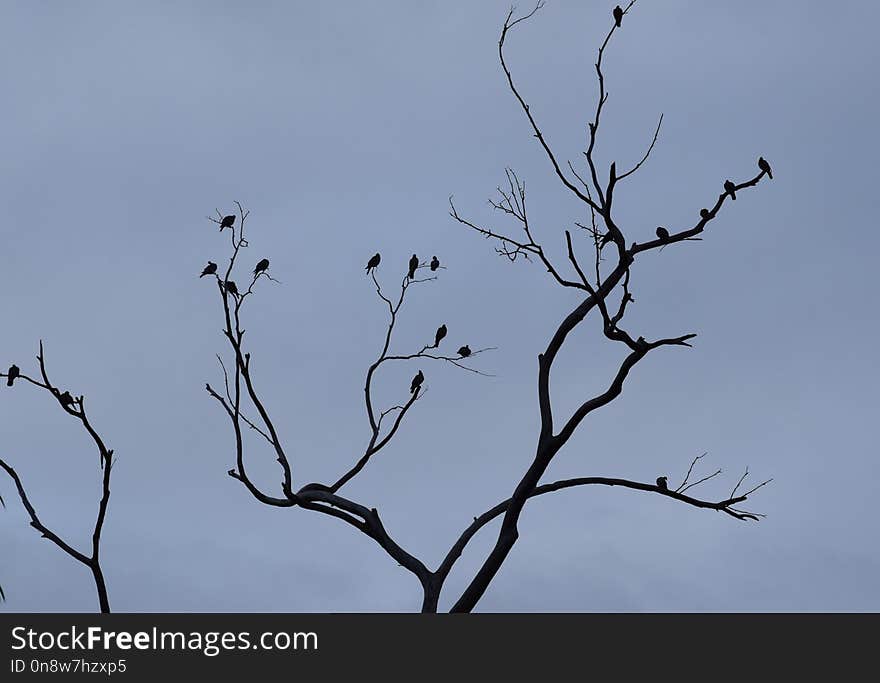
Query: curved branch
point(105, 458)
point(508, 24)
point(479, 522)
point(35, 520)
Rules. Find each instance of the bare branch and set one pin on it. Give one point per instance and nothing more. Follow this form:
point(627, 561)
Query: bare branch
point(647, 154)
point(481, 521)
point(67, 401)
point(690, 469)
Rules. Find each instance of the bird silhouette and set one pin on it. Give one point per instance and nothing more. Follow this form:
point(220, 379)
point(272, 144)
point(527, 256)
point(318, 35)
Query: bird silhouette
point(12, 374)
point(441, 332)
point(231, 287)
point(413, 264)
point(435, 263)
point(730, 188)
point(618, 15)
point(416, 383)
point(374, 261)
point(227, 222)
point(262, 266)
point(210, 269)
point(661, 484)
point(704, 214)
point(764, 166)
point(464, 351)
point(66, 399)
point(662, 233)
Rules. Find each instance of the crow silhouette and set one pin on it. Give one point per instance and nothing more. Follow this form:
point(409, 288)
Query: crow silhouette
point(66, 399)
point(231, 287)
point(704, 214)
point(435, 263)
point(661, 484)
point(262, 266)
point(416, 383)
point(730, 189)
point(227, 222)
point(764, 166)
point(12, 374)
point(441, 332)
point(464, 351)
point(662, 233)
point(374, 261)
point(210, 269)
point(618, 15)
point(413, 264)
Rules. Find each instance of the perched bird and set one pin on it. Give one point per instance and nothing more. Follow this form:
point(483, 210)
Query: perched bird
point(413, 264)
point(662, 233)
point(66, 399)
point(464, 351)
point(764, 166)
point(661, 484)
point(262, 266)
point(232, 288)
point(730, 189)
point(441, 332)
point(12, 374)
point(416, 383)
point(704, 214)
point(435, 262)
point(210, 269)
point(227, 222)
point(374, 261)
point(618, 15)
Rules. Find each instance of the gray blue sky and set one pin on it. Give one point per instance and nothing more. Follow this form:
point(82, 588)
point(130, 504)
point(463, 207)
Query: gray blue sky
point(344, 127)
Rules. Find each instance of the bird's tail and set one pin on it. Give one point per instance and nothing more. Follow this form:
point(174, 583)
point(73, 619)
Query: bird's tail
point(9, 381)
point(770, 175)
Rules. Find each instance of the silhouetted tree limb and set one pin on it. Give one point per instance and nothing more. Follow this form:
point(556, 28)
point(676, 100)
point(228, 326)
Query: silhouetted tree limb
point(725, 506)
point(601, 211)
point(315, 496)
point(75, 408)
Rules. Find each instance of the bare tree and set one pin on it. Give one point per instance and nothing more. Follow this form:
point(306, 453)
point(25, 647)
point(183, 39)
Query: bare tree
point(75, 407)
point(604, 289)
point(604, 237)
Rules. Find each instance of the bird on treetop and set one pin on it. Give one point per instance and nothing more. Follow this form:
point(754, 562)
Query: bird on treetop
point(661, 484)
point(464, 351)
point(210, 269)
point(764, 166)
point(441, 332)
point(618, 15)
point(435, 263)
point(413, 264)
point(374, 261)
point(232, 288)
point(730, 189)
point(262, 266)
point(227, 222)
point(662, 233)
point(12, 374)
point(416, 383)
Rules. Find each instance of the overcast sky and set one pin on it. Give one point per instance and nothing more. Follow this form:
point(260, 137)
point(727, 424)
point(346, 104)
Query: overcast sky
point(344, 128)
